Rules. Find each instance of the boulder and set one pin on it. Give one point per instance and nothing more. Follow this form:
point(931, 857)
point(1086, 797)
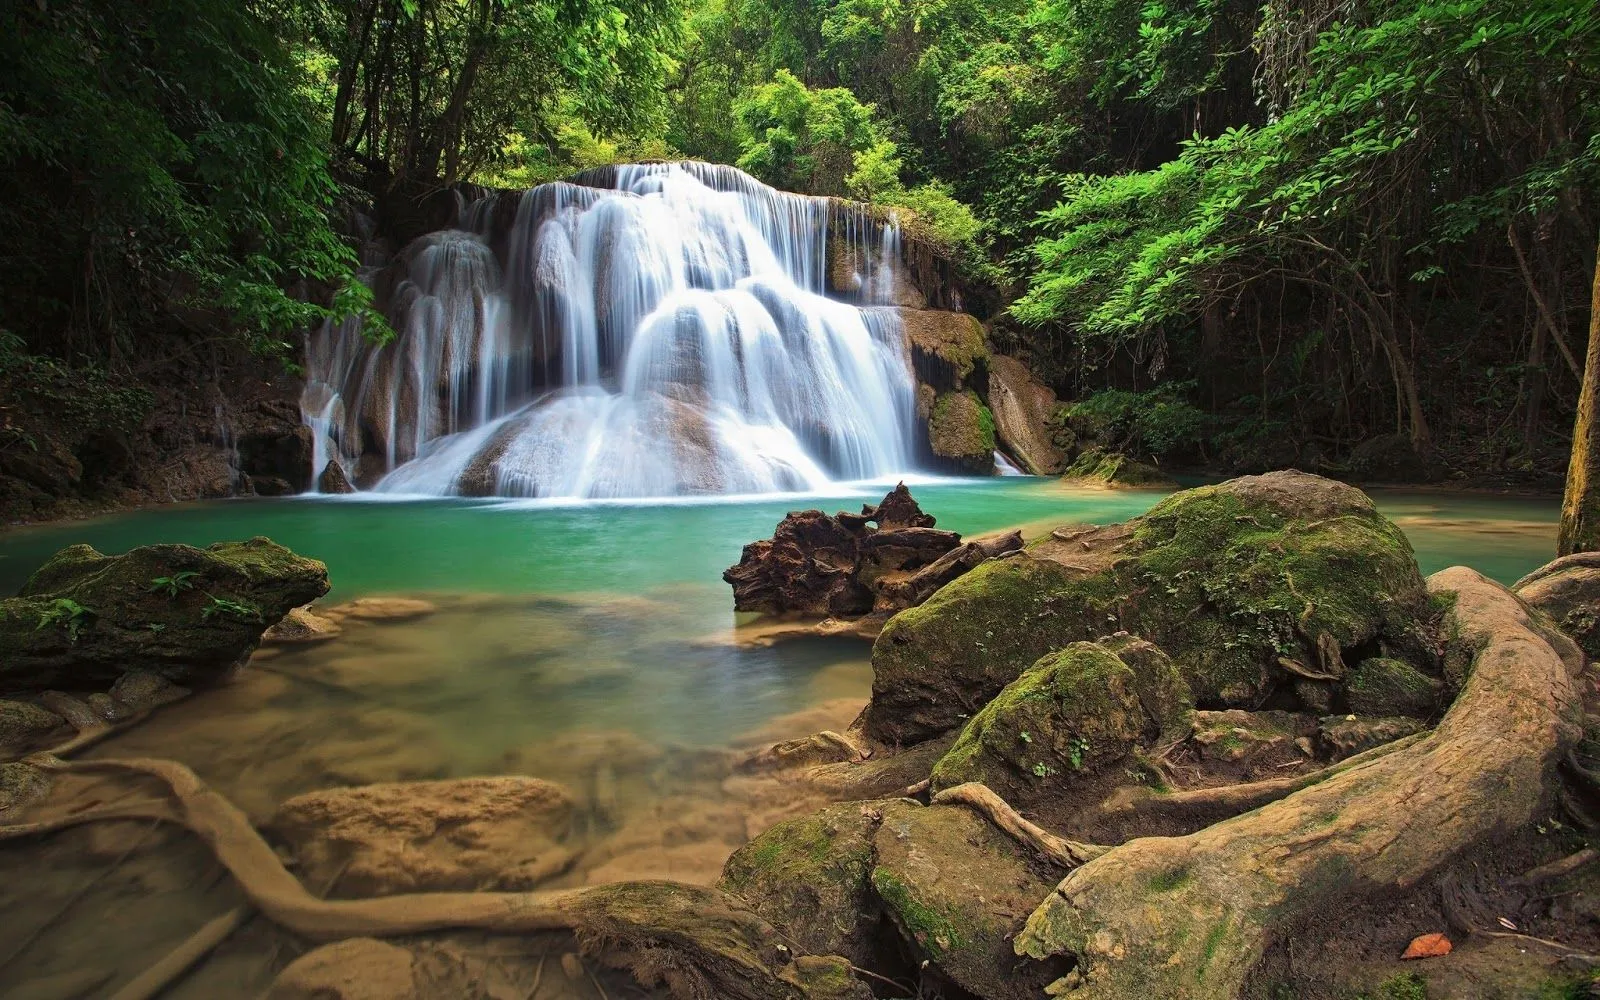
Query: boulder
point(961, 433)
point(1568, 590)
point(844, 566)
point(812, 878)
point(947, 348)
point(1112, 468)
point(302, 626)
point(462, 834)
point(1074, 715)
point(187, 614)
point(354, 969)
point(24, 726)
point(20, 785)
point(1342, 736)
point(334, 480)
point(379, 609)
point(1249, 586)
point(1023, 409)
point(1251, 739)
point(1383, 685)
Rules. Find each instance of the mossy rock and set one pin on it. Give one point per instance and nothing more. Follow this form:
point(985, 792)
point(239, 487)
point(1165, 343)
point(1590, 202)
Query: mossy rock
point(1076, 714)
point(811, 877)
point(947, 348)
point(1232, 581)
point(185, 613)
point(1386, 686)
point(1112, 468)
point(958, 890)
point(961, 432)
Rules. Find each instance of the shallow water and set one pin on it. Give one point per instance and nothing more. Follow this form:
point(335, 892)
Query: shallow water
point(590, 645)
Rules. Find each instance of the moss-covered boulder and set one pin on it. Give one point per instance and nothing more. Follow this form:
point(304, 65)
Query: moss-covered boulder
point(811, 877)
point(1383, 685)
point(185, 613)
point(1568, 590)
point(1249, 586)
point(961, 433)
point(957, 890)
point(1077, 714)
point(947, 348)
point(1113, 468)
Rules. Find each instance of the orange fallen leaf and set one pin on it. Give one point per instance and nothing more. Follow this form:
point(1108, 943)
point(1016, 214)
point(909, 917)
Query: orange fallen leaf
point(1428, 946)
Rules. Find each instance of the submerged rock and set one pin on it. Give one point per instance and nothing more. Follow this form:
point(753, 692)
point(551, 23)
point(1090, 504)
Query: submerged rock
point(354, 969)
point(843, 566)
point(187, 614)
point(302, 626)
point(379, 609)
point(462, 834)
point(1568, 590)
point(961, 433)
point(1248, 586)
point(1023, 408)
point(24, 726)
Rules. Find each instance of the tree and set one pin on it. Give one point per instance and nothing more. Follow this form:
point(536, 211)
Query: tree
point(1580, 507)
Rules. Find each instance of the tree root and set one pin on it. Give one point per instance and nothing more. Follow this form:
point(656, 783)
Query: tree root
point(1189, 917)
point(1197, 807)
point(1559, 869)
point(152, 981)
point(692, 939)
point(1066, 853)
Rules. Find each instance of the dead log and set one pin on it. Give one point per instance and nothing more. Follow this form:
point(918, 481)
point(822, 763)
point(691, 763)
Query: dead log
point(1189, 917)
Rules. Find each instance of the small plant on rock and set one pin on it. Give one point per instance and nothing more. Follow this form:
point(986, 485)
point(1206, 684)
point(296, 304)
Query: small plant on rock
point(65, 611)
point(224, 606)
point(173, 585)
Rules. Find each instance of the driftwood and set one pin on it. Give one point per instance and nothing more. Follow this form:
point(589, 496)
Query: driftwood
point(1190, 917)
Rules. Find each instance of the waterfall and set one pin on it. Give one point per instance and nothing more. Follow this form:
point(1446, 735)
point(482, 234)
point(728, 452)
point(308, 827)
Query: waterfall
point(641, 330)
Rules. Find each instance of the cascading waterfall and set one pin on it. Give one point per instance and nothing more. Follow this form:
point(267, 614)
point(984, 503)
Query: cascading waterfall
point(644, 330)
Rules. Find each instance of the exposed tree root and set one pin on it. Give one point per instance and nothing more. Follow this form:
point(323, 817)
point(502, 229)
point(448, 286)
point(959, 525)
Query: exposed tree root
point(1559, 869)
point(691, 939)
point(152, 981)
point(1198, 807)
point(1066, 853)
point(1190, 917)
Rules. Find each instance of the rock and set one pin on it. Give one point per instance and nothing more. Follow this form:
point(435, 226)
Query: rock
point(276, 448)
point(49, 465)
point(1235, 736)
point(1385, 686)
point(1023, 408)
point(1076, 714)
point(141, 689)
point(957, 890)
point(187, 614)
point(1230, 581)
point(20, 785)
point(1568, 590)
point(1341, 736)
point(462, 834)
point(24, 726)
point(811, 877)
point(353, 969)
point(302, 626)
point(841, 566)
point(947, 348)
point(1388, 459)
point(961, 433)
point(379, 609)
point(1112, 468)
point(334, 480)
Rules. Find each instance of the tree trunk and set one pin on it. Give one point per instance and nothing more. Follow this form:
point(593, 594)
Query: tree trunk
point(1580, 508)
point(1186, 918)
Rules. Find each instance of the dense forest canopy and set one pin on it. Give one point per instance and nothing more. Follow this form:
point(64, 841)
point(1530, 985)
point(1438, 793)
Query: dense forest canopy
point(1236, 233)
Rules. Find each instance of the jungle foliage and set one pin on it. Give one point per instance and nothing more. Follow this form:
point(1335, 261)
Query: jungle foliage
point(1261, 232)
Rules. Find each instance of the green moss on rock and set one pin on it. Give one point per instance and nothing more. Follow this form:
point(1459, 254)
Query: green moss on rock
point(1112, 468)
point(1386, 686)
point(1230, 581)
point(961, 432)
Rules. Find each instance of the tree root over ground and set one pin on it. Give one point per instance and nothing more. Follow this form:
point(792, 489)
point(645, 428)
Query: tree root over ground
point(691, 939)
point(1190, 917)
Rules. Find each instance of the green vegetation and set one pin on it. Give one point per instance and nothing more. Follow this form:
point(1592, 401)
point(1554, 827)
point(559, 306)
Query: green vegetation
point(1247, 233)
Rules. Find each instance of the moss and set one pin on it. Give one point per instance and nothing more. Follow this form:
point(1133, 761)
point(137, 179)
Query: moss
point(1385, 686)
point(1405, 986)
point(1076, 711)
point(1169, 881)
point(961, 430)
point(930, 928)
point(1111, 468)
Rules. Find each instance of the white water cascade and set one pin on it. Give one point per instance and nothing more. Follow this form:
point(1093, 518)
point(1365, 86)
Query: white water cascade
point(646, 330)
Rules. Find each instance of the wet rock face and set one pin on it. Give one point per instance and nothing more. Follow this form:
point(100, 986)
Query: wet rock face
point(465, 834)
point(1568, 590)
point(961, 433)
point(187, 614)
point(1023, 407)
point(1252, 587)
point(886, 557)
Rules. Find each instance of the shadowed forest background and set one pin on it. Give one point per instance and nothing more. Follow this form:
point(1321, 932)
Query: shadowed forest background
point(1353, 237)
